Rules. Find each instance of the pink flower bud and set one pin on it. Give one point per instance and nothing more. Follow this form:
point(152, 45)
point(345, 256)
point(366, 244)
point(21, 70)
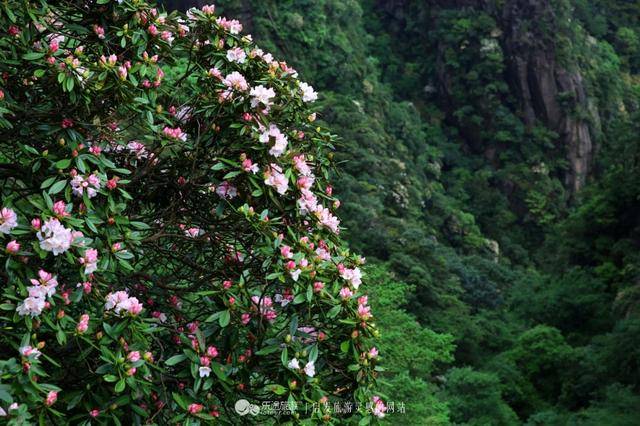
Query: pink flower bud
point(51, 398)
point(212, 352)
point(13, 247)
point(133, 356)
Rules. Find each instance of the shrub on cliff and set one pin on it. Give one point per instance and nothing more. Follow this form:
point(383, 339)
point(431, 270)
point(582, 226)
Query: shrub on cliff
point(169, 238)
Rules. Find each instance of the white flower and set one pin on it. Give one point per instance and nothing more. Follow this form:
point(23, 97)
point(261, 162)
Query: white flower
point(28, 351)
point(8, 220)
point(31, 306)
point(280, 140)
point(296, 274)
point(204, 371)
point(310, 369)
point(236, 81)
point(54, 237)
point(308, 94)
point(261, 95)
point(327, 220)
point(354, 276)
point(294, 364)
point(236, 55)
point(274, 177)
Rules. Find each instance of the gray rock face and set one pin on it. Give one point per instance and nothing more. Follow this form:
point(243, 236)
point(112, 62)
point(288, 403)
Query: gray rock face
point(540, 82)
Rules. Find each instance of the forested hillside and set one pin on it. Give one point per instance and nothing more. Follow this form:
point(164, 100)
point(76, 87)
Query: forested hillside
point(489, 170)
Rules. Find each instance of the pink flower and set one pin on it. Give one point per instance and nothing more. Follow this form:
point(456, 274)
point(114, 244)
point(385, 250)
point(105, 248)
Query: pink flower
point(215, 72)
point(261, 95)
point(378, 407)
point(308, 202)
point(236, 55)
point(364, 312)
point(236, 81)
point(205, 361)
point(99, 31)
point(132, 371)
point(122, 72)
point(94, 413)
point(373, 353)
point(86, 286)
point(275, 178)
point(285, 251)
point(8, 220)
point(208, 9)
point(245, 319)
point(318, 286)
point(305, 182)
point(44, 286)
point(90, 261)
point(60, 209)
point(167, 36)
point(273, 134)
point(327, 220)
point(133, 356)
point(176, 133)
point(153, 30)
point(36, 223)
point(121, 302)
point(81, 184)
point(51, 398)
point(195, 408)
point(13, 247)
point(248, 166)
point(83, 324)
point(226, 190)
point(301, 165)
point(27, 351)
point(194, 232)
point(233, 26)
point(345, 293)
point(112, 184)
point(353, 276)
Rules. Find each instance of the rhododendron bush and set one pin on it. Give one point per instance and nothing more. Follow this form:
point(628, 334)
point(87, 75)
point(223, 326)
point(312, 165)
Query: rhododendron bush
point(169, 237)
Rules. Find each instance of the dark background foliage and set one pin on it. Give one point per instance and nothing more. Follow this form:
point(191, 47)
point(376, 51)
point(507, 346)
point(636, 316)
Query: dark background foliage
point(490, 175)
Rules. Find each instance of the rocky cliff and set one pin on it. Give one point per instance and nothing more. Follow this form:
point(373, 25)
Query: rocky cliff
point(540, 81)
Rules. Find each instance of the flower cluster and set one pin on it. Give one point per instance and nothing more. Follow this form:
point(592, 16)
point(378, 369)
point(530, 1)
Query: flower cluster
point(54, 237)
point(89, 185)
point(120, 302)
point(41, 288)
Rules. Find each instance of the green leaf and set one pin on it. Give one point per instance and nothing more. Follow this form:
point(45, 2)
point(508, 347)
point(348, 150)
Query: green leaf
point(110, 378)
point(313, 354)
point(224, 319)
point(278, 389)
point(175, 359)
point(120, 386)
point(63, 164)
point(57, 187)
point(284, 357)
point(333, 312)
point(179, 400)
point(32, 56)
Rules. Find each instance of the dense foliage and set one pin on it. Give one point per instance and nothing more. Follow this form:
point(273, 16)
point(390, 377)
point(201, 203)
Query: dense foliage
point(168, 229)
point(463, 203)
